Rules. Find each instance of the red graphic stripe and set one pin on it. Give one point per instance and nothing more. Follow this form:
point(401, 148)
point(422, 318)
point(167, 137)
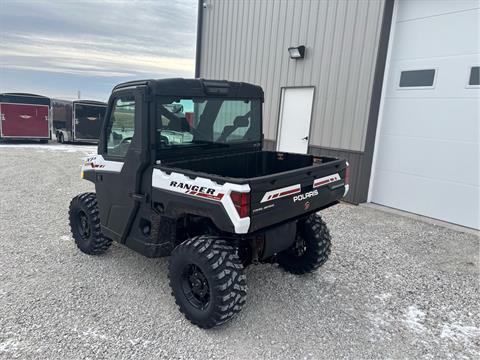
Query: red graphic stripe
point(210, 196)
point(289, 192)
point(207, 196)
point(323, 182)
point(318, 183)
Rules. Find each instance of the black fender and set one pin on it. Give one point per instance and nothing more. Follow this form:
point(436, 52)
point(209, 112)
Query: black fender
point(175, 205)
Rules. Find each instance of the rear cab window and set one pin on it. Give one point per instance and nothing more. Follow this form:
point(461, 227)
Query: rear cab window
point(206, 122)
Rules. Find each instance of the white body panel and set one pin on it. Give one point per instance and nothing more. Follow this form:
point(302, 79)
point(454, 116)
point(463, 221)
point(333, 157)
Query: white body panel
point(97, 162)
point(295, 118)
point(427, 151)
point(162, 180)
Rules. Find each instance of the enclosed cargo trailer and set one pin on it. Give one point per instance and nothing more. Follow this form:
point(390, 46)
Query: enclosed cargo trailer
point(77, 121)
point(24, 117)
point(61, 119)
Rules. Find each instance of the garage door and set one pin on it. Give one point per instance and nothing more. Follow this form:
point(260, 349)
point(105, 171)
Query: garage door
point(427, 153)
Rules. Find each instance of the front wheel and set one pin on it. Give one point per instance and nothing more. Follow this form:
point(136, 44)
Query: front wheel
point(311, 248)
point(85, 225)
point(207, 280)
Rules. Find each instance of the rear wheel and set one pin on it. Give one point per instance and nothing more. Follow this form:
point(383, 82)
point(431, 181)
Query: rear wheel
point(311, 248)
point(207, 280)
point(60, 138)
point(85, 225)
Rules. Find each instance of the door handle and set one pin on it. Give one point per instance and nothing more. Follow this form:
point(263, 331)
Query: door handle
point(305, 138)
point(137, 197)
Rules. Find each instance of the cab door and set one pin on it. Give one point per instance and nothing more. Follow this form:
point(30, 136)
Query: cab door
point(123, 146)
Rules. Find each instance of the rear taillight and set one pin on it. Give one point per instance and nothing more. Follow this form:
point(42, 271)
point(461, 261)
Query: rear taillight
point(241, 202)
point(347, 174)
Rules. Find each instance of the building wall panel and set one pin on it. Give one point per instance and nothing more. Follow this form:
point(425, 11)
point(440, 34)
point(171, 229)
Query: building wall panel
point(247, 40)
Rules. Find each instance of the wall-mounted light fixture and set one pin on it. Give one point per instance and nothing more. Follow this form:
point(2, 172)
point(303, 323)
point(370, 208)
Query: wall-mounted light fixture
point(297, 52)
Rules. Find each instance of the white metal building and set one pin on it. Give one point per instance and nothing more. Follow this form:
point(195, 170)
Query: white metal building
point(392, 85)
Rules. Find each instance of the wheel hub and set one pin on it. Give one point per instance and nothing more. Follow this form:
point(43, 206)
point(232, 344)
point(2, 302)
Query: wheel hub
point(300, 246)
point(83, 225)
point(195, 286)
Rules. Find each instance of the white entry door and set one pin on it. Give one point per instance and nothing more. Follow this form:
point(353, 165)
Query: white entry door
point(294, 121)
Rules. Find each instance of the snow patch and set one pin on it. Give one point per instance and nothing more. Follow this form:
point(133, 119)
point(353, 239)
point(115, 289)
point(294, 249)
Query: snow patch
point(414, 319)
point(457, 333)
point(9, 345)
point(94, 334)
point(139, 341)
point(87, 149)
point(383, 297)
point(65, 238)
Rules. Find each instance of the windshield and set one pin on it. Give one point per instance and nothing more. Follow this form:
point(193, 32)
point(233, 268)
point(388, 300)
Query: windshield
point(207, 122)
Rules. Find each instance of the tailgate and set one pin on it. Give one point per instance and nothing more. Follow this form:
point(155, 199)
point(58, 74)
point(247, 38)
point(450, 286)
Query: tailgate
point(283, 196)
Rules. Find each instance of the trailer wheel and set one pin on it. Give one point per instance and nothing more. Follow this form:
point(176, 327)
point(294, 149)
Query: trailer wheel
point(60, 138)
point(207, 280)
point(311, 248)
point(85, 225)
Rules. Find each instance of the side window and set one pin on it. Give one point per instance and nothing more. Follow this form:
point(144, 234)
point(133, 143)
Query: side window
point(121, 127)
point(474, 79)
point(417, 78)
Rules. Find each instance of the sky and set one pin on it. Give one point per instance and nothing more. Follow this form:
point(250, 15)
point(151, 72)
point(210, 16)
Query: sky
point(59, 47)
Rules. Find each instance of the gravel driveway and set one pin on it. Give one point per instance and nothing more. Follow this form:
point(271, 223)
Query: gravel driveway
point(394, 287)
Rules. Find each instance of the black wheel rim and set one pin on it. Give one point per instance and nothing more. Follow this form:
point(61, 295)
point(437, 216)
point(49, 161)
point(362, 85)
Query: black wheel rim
point(300, 247)
point(195, 287)
point(83, 225)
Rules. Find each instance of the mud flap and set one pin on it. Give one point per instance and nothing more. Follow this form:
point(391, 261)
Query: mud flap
point(278, 239)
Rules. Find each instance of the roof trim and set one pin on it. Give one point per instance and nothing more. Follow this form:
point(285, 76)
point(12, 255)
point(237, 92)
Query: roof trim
point(25, 95)
point(131, 84)
point(198, 49)
point(89, 102)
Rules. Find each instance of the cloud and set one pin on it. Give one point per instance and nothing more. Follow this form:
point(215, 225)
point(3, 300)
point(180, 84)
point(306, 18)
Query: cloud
point(89, 56)
point(115, 40)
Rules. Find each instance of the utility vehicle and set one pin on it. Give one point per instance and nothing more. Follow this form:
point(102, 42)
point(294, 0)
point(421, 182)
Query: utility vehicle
point(180, 172)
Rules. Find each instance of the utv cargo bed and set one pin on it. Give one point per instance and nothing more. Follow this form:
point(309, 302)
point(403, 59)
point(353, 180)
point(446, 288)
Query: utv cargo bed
point(279, 182)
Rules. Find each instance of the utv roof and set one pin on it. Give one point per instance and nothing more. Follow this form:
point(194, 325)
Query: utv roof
point(90, 102)
point(196, 88)
point(24, 98)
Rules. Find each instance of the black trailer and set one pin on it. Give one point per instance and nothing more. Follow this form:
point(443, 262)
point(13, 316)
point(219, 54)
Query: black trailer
point(77, 121)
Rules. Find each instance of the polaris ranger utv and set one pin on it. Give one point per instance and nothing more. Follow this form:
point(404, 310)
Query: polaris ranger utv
point(180, 172)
